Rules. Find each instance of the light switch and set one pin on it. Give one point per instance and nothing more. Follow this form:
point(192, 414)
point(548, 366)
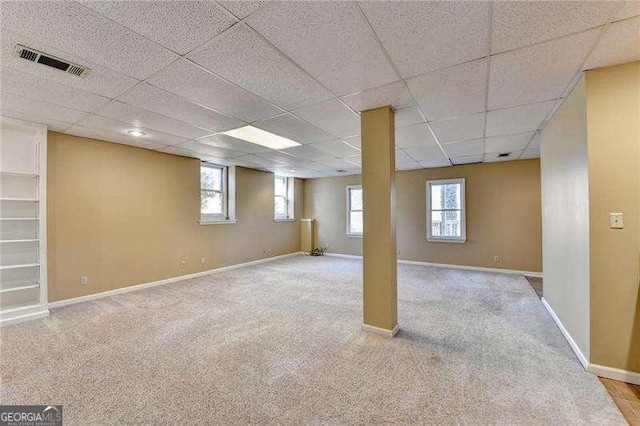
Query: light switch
point(615, 220)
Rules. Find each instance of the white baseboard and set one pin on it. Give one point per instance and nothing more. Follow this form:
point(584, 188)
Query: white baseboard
point(60, 303)
point(449, 266)
point(583, 359)
point(18, 315)
point(615, 373)
point(344, 256)
point(381, 331)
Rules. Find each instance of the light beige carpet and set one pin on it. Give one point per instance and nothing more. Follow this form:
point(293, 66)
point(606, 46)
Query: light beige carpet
point(281, 343)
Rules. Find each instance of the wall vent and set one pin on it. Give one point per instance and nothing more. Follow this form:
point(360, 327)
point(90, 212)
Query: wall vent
point(504, 154)
point(38, 57)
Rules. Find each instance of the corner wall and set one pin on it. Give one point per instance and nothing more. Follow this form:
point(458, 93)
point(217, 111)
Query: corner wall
point(613, 124)
point(503, 215)
point(124, 216)
point(565, 217)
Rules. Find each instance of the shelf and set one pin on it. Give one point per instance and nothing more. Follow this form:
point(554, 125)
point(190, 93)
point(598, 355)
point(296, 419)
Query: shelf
point(18, 174)
point(19, 241)
point(24, 265)
point(19, 218)
point(28, 200)
point(23, 287)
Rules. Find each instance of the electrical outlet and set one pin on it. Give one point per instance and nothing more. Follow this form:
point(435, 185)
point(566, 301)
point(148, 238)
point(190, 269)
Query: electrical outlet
point(496, 259)
point(183, 263)
point(616, 221)
point(84, 280)
point(202, 260)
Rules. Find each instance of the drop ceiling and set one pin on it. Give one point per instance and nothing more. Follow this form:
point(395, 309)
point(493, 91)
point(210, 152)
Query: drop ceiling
point(468, 80)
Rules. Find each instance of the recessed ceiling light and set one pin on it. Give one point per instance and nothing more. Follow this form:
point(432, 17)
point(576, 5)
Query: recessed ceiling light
point(135, 133)
point(261, 137)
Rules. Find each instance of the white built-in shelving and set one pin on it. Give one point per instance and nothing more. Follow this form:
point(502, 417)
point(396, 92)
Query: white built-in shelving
point(23, 279)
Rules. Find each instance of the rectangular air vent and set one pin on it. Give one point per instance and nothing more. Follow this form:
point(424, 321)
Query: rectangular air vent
point(504, 154)
point(50, 61)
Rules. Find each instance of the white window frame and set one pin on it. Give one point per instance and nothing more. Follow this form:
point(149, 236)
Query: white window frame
point(228, 197)
point(463, 211)
point(289, 199)
point(349, 210)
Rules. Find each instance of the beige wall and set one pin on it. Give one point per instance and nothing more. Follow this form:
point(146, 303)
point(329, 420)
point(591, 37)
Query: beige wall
point(503, 215)
point(613, 127)
point(565, 216)
point(126, 216)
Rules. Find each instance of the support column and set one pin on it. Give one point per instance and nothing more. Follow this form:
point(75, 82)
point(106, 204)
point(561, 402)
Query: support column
point(380, 297)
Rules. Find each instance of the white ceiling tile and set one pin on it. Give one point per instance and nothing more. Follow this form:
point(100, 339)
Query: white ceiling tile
point(452, 91)
point(259, 160)
point(459, 129)
point(408, 116)
point(467, 159)
point(535, 73)
point(521, 23)
point(435, 162)
point(333, 117)
point(403, 157)
point(99, 80)
point(535, 142)
point(53, 125)
point(120, 128)
point(194, 83)
point(120, 138)
point(619, 44)
point(507, 143)
point(530, 153)
point(141, 118)
point(308, 153)
point(162, 102)
point(227, 142)
point(424, 36)
point(339, 163)
point(330, 40)
point(28, 85)
point(627, 9)
point(74, 28)
point(243, 57)
point(211, 150)
point(415, 135)
point(425, 153)
point(178, 25)
point(409, 165)
point(394, 94)
point(336, 147)
point(176, 150)
point(242, 8)
point(517, 120)
point(34, 109)
point(354, 141)
point(278, 157)
point(494, 158)
point(293, 128)
point(459, 149)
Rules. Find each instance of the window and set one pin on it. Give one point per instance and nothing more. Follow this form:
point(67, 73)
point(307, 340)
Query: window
point(283, 208)
point(214, 197)
point(213, 192)
point(354, 211)
point(446, 211)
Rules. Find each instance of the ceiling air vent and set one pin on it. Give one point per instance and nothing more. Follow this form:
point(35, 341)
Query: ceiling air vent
point(504, 154)
point(50, 61)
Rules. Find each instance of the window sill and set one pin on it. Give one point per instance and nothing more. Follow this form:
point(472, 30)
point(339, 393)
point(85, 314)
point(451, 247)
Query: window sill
point(219, 222)
point(284, 219)
point(354, 235)
point(437, 240)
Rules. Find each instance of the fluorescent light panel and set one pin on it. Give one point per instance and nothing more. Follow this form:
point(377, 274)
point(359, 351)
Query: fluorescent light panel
point(261, 137)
